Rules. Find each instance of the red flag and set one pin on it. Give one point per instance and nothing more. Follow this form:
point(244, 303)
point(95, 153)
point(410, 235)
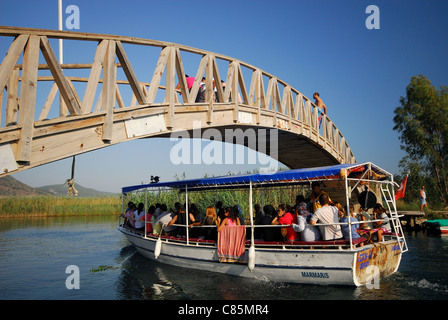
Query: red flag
point(400, 192)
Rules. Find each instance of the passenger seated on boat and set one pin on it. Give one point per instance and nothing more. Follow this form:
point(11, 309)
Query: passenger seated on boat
point(306, 231)
point(181, 219)
point(269, 233)
point(150, 219)
point(158, 210)
point(210, 219)
point(238, 213)
point(164, 218)
point(126, 214)
point(380, 213)
point(341, 210)
point(345, 228)
point(285, 217)
point(326, 215)
point(364, 216)
point(230, 219)
point(129, 215)
point(259, 215)
point(139, 217)
point(315, 194)
point(220, 211)
point(368, 229)
point(381, 226)
point(196, 212)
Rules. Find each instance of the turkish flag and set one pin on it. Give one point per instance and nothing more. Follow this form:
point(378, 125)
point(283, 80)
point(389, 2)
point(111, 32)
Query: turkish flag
point(400, 192)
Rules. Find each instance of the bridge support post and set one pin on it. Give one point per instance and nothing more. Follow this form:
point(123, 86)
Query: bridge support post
point(28, 99)
point(109, 83)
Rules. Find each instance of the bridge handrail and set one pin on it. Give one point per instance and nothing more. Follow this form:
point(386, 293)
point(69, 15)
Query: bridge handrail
point(289, 107)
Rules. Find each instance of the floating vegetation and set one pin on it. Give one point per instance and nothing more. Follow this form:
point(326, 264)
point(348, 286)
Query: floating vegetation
point(102, 268)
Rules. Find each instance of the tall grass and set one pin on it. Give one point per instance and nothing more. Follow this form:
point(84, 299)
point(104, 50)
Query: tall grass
point(58, 206)
point(202, 199)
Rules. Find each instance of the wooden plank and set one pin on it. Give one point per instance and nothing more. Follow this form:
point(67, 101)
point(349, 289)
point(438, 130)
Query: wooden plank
point(277, 100)
point(181, 76)
point(49, 102)
point(130, 75)
point(259, 94)
point(242, 86)
point(298, 108)
point(28, 99)
point(268, 95)
point(1, 104)
point(108, 91)
point(229, 81)
point(285, 101)
point(160, 67)
point(44, 66)
point(118, 97)
point(72, 87)
point(253, 88)
point(209, 79)
point(170, 96)
point(99, 103)
point(12, 102)
point(218, 84)
point(198, 79)
point(94, 77)
point(11, 58)
point(65, 90)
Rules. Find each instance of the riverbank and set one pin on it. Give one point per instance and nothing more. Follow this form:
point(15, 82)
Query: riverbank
point(49, 206)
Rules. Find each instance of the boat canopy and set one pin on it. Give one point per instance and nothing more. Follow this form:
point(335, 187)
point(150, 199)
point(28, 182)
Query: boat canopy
point(269, 178)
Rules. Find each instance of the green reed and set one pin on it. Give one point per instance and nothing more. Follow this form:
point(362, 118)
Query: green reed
point(203, 199)
point(58, 206)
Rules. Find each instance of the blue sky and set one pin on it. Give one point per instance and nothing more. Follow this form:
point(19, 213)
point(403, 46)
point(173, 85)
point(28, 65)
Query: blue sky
point(312, 45)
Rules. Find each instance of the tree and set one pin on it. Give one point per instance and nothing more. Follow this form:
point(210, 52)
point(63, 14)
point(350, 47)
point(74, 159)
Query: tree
point(422, 121)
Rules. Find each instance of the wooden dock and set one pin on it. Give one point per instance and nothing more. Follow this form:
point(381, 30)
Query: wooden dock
point(412, 218)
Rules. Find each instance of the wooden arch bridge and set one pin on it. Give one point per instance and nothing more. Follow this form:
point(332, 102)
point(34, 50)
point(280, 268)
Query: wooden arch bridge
point(91, 113)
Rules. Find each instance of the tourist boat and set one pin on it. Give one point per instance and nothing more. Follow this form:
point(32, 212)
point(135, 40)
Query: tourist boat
point(337, 262)
point(437, 226)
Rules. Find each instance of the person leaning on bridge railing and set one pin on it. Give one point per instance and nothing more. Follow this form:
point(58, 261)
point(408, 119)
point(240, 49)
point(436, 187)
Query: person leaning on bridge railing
point(322, 108)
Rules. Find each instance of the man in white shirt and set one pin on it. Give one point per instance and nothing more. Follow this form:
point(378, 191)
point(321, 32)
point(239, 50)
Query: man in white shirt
point(326, 215)
point(163, 219)
point(139, 217)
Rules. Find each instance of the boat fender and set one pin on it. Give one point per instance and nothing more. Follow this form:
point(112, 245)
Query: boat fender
point(157, 248)
point(251, 263)
point(158, 244)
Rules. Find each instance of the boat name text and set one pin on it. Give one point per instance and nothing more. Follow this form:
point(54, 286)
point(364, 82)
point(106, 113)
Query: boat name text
point(315, 275)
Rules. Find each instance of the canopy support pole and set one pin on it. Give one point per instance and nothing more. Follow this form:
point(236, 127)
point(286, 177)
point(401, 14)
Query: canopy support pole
point(349, 221)
point(251, 263)
point(186, 213)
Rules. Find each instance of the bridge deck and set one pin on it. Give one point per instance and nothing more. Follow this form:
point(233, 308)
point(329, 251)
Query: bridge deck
point(36, 128)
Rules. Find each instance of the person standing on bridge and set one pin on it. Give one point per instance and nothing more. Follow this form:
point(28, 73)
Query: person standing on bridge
point(322, 108)
point(422, 197)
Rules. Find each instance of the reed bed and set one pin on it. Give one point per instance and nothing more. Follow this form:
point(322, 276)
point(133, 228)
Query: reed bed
point(203, 199)
point(58, 206)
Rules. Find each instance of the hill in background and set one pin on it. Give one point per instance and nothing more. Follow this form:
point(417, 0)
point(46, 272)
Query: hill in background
point(10, 186)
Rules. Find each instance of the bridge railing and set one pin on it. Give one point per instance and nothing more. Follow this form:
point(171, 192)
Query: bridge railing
point(107, 82)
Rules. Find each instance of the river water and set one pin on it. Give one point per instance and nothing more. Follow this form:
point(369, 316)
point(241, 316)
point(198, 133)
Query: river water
point(35, 254)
